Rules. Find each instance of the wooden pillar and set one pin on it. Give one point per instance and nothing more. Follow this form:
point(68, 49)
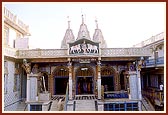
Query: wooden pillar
point(51, 84)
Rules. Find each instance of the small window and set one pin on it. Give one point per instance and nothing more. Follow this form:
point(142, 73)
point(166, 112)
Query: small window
point(35, 107)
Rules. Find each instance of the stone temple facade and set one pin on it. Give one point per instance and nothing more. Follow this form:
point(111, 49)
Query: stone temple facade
point(83, 70)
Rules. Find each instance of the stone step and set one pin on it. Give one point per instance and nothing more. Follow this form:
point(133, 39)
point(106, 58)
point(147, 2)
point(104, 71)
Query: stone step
point(147, 105)
point(21, 107)
point(84, 105)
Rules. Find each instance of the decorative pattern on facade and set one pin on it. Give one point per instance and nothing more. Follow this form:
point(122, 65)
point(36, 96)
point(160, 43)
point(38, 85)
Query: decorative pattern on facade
point(84, 47)
point(54, 53)
point(125, 52)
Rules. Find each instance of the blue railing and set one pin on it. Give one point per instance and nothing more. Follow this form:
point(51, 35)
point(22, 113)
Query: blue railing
point(66, 97)
point(152, 62)
point(160, 60)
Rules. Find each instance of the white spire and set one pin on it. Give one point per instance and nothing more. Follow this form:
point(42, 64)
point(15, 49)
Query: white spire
point(96, 23)
point(68, 22)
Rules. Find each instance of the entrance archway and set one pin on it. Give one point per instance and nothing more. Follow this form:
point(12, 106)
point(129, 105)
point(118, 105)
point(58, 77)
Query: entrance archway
point(60, 74)
point(84, 80)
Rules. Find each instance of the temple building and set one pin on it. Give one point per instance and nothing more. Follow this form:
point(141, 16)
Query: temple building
point(83, 75)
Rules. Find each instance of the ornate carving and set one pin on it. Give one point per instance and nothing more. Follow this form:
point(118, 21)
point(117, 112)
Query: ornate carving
point(17, 71)
point(83, 48)
point(35, 69)
point(26, 66)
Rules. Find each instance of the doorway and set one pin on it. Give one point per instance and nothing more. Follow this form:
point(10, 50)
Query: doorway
point(84, 85)
point(84, 80)
point(108, 83)
point(60, 85)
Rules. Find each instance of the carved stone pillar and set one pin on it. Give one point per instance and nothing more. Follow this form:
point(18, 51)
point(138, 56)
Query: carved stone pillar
point(133, 85)
point(139, 90)
point(99, 79)
point(32, 87)
point(139, 65)
point(70, 80)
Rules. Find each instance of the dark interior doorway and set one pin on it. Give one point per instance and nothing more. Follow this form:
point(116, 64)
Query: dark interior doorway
point(60, 86)
point(108, 83)
point(84, 85)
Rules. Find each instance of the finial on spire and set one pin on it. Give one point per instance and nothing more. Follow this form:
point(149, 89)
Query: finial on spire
point(82, 16)
point(68, 22)
point(82, 19)
point(96, 22)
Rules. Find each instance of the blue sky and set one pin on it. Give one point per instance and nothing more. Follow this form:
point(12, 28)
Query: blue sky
point(122, 24)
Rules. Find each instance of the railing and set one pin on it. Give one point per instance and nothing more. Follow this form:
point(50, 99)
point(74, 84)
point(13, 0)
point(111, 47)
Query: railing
point(11, 52)
point(154, 95)
point(160, 60)
point(114, 52)
point(151, 40)
point(53, 53)
point(66, 97)
point(13, 18)
point(42, 53)
point(25, 107)
point(152, 62)
point(115, 94)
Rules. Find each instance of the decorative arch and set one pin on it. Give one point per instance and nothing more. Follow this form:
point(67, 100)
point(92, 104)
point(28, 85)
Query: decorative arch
point(61, 71)
point(60, 80)
point(108, 78)
point(107, 70)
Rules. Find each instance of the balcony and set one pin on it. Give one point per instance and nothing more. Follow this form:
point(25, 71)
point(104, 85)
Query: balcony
point(154, 62)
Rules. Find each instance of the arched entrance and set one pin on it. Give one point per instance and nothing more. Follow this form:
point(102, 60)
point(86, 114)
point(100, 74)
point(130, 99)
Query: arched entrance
point(60, 74)
point(107, 78)
point(84, 80)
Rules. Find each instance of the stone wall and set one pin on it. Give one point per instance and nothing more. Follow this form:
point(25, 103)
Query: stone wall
point(11, 98)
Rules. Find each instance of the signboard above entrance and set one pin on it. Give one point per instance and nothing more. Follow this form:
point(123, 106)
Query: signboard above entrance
point(83, 46)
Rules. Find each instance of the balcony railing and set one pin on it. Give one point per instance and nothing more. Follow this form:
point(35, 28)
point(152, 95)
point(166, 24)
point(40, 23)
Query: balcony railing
point(11, 52)
point(160, 60)
point(150, 62)
point(155, 96)
point(42, 53)
point(54, 53)
point(125, 52)
point(13, 18)
point(154, 62)
point(151, 40)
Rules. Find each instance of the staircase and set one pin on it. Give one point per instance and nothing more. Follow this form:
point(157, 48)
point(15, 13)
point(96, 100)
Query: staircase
point(57, 102)
point(146, 105)
point(85, 103)
point(21, 107)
